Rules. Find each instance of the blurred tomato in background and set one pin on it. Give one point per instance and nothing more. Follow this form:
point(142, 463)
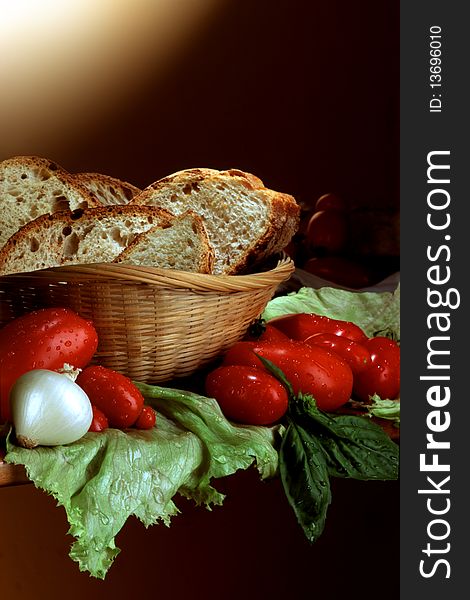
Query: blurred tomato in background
point(352, 248)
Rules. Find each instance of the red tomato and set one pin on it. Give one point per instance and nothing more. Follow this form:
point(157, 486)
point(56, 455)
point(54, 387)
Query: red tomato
point(113, 393)
point(247, 394)
point(339, 270)
point(327, 232)
point(300, 326)
point(260, 332)
point(146, 419)
point(99, 421)
point(243, 353)
point(330, 202)
point(356, 355)
point(42, 339)
point(309, 369)
point(383, 375)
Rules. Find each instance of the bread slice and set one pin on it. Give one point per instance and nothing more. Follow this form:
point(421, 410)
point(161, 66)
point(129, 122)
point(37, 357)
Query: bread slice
point(31, 186)
point(184, 245)
point(106, 189)
point(246, 221)
point(86, 236)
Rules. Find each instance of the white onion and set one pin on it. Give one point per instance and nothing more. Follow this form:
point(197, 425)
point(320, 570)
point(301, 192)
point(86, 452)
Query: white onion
point(49, 409)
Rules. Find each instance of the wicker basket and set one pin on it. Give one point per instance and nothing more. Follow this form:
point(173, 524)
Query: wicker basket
point(153, 325)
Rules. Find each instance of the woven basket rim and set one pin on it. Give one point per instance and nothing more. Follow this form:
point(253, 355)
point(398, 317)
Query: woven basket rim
point(168, 278)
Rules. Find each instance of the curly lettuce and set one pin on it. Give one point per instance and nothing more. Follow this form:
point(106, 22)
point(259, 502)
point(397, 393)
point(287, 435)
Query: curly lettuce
point(104, 478)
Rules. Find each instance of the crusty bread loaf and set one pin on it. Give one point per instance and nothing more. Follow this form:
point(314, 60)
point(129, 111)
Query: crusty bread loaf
point(183, 245)
point(31, 186)
point(106, 189)
point(85, 236)
point(246, 222)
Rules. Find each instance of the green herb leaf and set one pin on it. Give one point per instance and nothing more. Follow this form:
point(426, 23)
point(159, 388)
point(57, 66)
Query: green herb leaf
point(353, 446)
point(278, 374)
point(304, 476)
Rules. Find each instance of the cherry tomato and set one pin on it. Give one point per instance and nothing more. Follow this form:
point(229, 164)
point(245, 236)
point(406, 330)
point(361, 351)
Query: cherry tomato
point(382, 377)
point(309, 369)
point(330, 201)
point(42, 339)
point(247, 394)
point(339, 270)
point(327, 232)
point(113, 393)
point(356, 355)
point(300, 326)
point(146, 419)
point(99, 421)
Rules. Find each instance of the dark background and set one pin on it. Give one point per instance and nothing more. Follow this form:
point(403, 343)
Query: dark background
point(306, 96)
point(251, 548)
point(303, 94)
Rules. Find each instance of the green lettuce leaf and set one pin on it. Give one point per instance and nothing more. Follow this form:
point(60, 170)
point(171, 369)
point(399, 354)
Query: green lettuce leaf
point(384, 409)
point(104, 478)
point(226, 444)
point(375, 313)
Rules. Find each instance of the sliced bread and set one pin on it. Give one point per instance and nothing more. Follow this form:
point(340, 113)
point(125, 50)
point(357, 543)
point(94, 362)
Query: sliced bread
point(246, 221)
point(106, 189)
point(85, 236)
point(31, 186)
point(184, 245)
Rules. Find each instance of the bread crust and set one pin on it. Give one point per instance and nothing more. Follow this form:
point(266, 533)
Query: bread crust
point(284, 212)
point(283, 224)
point(53, 169)
point(269, 223)
point(66, 219)
point(116, 191)
point(31, 186)
point(207, 258)
point(203, 173)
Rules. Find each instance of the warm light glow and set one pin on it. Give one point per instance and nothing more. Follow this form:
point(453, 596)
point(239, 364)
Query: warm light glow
point(21, 13)
point(63, 63)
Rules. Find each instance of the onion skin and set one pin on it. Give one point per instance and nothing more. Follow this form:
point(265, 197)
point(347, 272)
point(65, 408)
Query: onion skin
point(49, 409)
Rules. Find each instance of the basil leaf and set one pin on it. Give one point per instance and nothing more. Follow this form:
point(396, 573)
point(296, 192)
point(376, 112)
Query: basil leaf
point(277, 373)
point(304, 476)
point(353, 446)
